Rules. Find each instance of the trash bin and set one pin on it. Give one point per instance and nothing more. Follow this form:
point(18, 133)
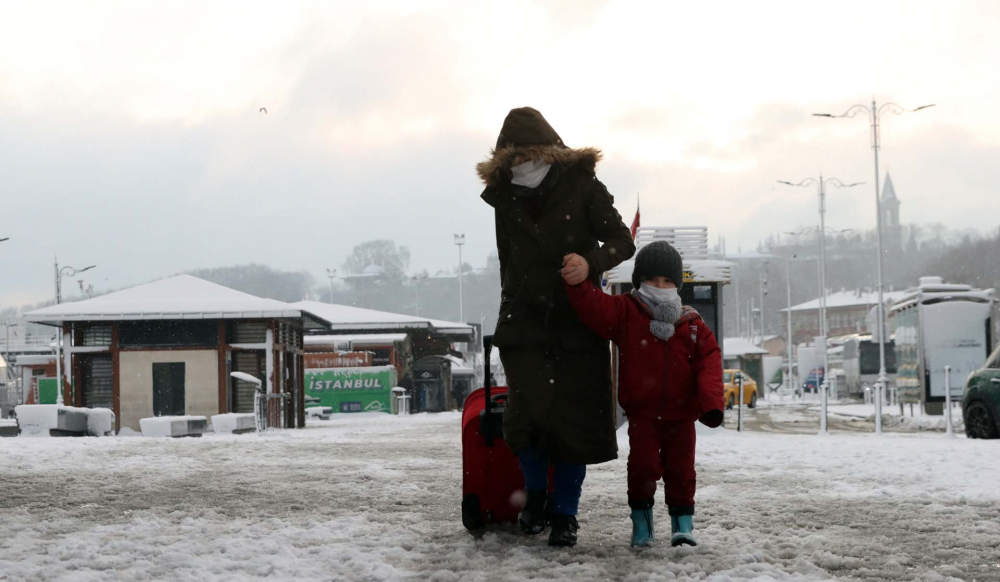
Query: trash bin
point(400, 402)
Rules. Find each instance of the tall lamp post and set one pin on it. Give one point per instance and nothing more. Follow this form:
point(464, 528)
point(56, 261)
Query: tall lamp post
point(63, 272)
point(331, 273)
point(60, 273)
point(459, 241)
point(788, 313)
point(821, 183)
point(416, 288)
point(875, 117)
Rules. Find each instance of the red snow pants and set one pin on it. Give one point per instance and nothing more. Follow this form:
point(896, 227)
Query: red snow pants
point(661, 449)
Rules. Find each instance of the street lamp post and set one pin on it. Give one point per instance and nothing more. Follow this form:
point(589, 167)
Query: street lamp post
point(874, 117)
point(788, 317)
point(762, 287)
point(821, 183)
point(331, 273)
point(416, 289)
point(459, 241)
point(60, 273)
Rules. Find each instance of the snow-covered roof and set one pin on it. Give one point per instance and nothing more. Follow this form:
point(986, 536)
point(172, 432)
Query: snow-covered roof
point(35, 360)
point(935, 288)
point(349, 318)
point(459, 367)
point(848, 299)
point(366, 338)
point(179, 297)
point(734, 347)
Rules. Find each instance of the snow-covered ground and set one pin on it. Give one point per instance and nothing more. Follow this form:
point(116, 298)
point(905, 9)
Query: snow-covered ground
point(376, 497)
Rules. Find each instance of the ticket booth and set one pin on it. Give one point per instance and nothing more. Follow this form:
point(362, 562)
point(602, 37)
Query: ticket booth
point(703, 279)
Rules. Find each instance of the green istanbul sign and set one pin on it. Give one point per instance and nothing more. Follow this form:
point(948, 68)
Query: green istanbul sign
point(352, 389)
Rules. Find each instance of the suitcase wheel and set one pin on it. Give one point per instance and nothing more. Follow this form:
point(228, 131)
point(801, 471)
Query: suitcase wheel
point(471, 517)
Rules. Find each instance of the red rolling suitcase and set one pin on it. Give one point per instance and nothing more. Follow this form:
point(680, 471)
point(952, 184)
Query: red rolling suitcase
point(492, 483)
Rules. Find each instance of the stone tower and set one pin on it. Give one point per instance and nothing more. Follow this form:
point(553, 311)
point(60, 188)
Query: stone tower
point(891, 229)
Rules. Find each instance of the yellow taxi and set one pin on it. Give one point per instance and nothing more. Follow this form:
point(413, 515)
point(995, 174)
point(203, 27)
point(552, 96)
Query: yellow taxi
point(732, 388)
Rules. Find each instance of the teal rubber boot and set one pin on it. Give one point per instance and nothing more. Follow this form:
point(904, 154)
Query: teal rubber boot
point(642, 527)
point(682, 530)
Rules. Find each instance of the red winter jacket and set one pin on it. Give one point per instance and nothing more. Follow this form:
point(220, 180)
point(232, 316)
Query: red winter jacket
point(678, 379)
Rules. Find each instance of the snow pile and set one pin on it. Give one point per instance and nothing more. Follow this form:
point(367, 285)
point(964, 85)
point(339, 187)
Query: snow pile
point(173, 426)
point(100, 421)
point(319, 412)
point(41, 419)
point(233, 423)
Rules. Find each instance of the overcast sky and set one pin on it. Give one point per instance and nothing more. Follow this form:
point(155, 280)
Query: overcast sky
point(131, 137)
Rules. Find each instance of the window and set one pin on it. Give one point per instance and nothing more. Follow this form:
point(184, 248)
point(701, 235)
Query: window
point(246, 332)
point(95, 335)
point(727, 377)
point(171, 333)
point(994, 361)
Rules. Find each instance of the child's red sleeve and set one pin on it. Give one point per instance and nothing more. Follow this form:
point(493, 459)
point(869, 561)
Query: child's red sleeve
point(708, 375)
point(604, 314)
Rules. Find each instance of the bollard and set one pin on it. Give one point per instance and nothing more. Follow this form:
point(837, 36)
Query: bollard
point(878, 407)
point(739, 405)
point(947, 402)
point(822, 408)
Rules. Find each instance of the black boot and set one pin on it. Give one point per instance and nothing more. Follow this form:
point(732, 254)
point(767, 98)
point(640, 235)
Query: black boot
point(532, 518)
point(564, 528)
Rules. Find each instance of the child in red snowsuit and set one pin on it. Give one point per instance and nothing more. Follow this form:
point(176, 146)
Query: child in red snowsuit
point(670, 375)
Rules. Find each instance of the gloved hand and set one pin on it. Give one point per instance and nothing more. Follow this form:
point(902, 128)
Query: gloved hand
point(712, 418)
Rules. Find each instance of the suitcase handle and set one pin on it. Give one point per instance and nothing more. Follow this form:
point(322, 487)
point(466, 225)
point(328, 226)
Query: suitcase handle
point(487, 352)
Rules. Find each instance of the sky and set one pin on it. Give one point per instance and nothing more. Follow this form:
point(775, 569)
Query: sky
point(131, 135)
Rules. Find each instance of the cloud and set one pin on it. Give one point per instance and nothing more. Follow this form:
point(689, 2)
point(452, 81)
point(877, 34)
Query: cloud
point(133, 140)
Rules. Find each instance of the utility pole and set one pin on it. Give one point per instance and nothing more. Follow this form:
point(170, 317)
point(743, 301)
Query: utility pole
point(459, 242)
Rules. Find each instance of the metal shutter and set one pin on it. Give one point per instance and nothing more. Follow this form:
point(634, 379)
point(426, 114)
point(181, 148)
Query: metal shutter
point(250, 363)
point(97, 382)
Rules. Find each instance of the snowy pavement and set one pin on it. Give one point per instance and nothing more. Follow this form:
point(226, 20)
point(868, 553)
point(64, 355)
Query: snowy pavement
point(374, 497)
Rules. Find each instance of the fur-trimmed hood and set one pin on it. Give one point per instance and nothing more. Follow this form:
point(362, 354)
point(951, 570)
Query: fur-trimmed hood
point(496, 170)
point(527, 137)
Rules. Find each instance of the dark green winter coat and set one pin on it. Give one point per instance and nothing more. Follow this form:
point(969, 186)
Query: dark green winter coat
point(557, 370)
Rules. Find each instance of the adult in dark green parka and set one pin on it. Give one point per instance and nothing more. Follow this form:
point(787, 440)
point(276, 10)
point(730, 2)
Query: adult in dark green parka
point(552, 214)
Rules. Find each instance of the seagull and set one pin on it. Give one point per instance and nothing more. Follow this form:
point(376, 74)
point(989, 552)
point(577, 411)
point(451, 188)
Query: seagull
point(263, 110)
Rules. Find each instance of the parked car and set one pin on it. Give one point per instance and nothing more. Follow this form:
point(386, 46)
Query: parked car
point(981, 401)
point(814, 380)
point(732, 388)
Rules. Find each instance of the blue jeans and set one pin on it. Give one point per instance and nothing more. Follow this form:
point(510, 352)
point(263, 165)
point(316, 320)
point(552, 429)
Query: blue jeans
point(568, 481)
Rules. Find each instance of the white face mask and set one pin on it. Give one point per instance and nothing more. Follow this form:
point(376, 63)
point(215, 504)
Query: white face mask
point(658, 295)
point(530, 174)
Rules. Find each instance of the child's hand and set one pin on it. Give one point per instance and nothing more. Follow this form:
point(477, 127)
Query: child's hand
point(575, 269)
